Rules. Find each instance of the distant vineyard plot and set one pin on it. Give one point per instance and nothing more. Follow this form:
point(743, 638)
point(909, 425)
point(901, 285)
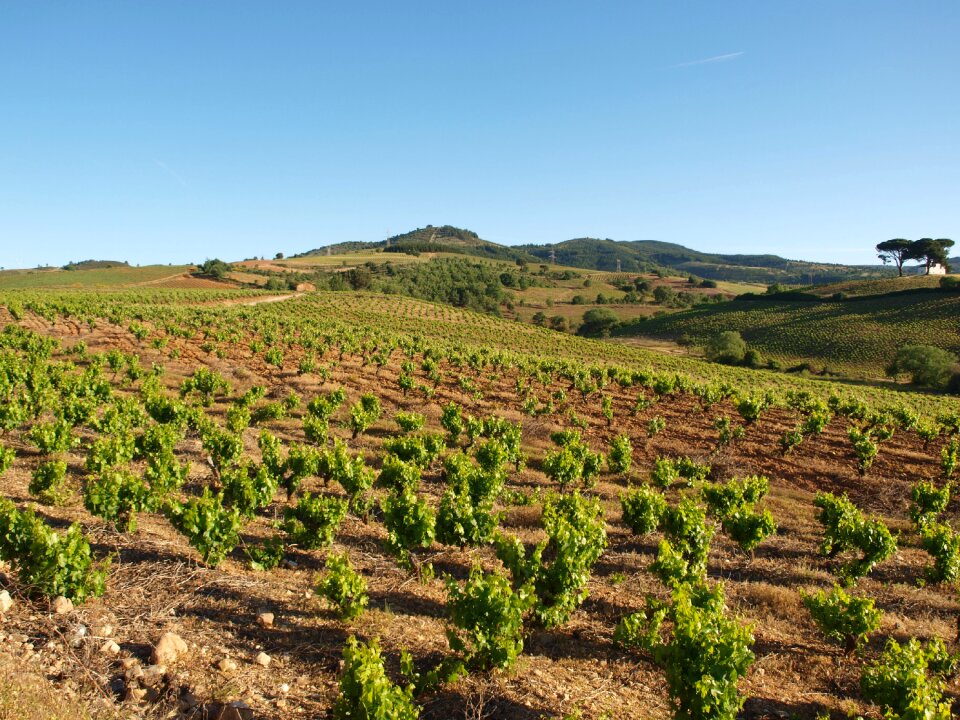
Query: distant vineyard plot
point(860, 334)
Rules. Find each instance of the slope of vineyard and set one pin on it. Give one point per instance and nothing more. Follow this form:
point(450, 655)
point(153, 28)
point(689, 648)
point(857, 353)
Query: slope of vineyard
point(860, 334)
point(170, 392)
point(95, 277)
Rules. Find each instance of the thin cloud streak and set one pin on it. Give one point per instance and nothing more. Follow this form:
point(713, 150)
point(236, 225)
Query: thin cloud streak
point(172, 173)
point(710, 60)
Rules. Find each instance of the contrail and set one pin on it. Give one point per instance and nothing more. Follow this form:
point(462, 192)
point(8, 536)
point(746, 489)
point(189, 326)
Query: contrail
point(709, 60)
point(163, 166)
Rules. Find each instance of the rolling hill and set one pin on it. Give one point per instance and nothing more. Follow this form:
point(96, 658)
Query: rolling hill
point(635, 256)
point(646, 255)
point(859, 334)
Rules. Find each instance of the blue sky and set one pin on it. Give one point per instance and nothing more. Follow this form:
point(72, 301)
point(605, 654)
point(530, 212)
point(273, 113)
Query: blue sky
point(176, 131)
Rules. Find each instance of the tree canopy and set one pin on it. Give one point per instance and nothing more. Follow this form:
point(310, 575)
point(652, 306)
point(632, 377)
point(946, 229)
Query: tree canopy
point(927, 251)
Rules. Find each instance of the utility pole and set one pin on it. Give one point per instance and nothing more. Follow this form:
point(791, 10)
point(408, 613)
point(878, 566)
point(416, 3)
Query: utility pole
point(618, 264)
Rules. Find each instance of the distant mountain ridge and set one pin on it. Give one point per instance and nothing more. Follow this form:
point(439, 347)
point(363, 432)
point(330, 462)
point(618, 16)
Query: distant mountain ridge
point(612, 255)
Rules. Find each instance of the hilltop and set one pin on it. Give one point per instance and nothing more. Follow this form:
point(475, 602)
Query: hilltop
point(429, 239)
point(635, 256)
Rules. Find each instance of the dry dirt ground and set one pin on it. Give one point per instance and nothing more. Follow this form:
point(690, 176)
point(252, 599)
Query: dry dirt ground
point(158, 584)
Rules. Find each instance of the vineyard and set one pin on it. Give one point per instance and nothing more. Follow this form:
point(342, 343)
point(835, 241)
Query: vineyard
point(221, 504)
point(858, 335)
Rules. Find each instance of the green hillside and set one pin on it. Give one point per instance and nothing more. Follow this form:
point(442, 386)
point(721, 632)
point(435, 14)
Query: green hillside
point(99, 275)
point(430, 239)
point(860, 334)
point(646, 255)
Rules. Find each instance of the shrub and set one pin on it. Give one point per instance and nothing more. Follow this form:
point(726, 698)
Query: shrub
point(205, 383)
point(727, 347)
point(409, 421)
point(399, 475)
point(47, 561)
point(943, 544)
point(47, 481)
point(705, 655)
point(642, 509)
point(620, 456)
point(558, 567)
point(248, 490)
point(364, 413)
point(314, 521)
point(844, 619)
point(463, 521)
point(409, 521)
point(343, 587)
point(117, 496)
point(928, 502)
point(421, 450)
point(682, 556)
point(949, 457)
point(904, 681)
point(451, 419)
point(664, 472)
point(847, 529)
point(864, 448)
point(926, 365)
point(487, 617)
point(366, 693)
point(211, 528)
point(728, 432)
point(656, 425)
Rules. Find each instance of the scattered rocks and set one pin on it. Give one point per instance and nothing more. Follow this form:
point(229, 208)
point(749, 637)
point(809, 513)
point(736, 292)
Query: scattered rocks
point(263, 659)
point(265, 619)
point(153, 675)
point(61, 605)
point(135, 694)
point(169, 647)
point(110, 648)
point(227, 665)
point(6, 602)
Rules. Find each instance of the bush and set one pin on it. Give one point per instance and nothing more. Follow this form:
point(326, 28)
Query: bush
point(366, 693)
point(576, 537)
point(343, 587)
point(47, 481)
point(487, 615)
point(47, 561)
point(927, 365)
point(728, 348)
point(620, 456)
point(847, 529)
point(409, 521)
point(409, 421)
point(314, 521)
point(905, 682)
point(364, 413)
point(682, 556)
point(211, 528)
point(843, 619)
point(943, 544)
point(705, 655)
point(928, 502)
point(642, 509)
point(598, 322)
point(117, 496)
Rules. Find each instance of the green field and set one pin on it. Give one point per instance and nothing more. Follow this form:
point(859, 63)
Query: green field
point(102, 277)
point(860, 335)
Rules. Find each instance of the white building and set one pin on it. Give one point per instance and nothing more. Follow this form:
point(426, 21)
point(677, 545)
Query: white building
point(937, 269)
